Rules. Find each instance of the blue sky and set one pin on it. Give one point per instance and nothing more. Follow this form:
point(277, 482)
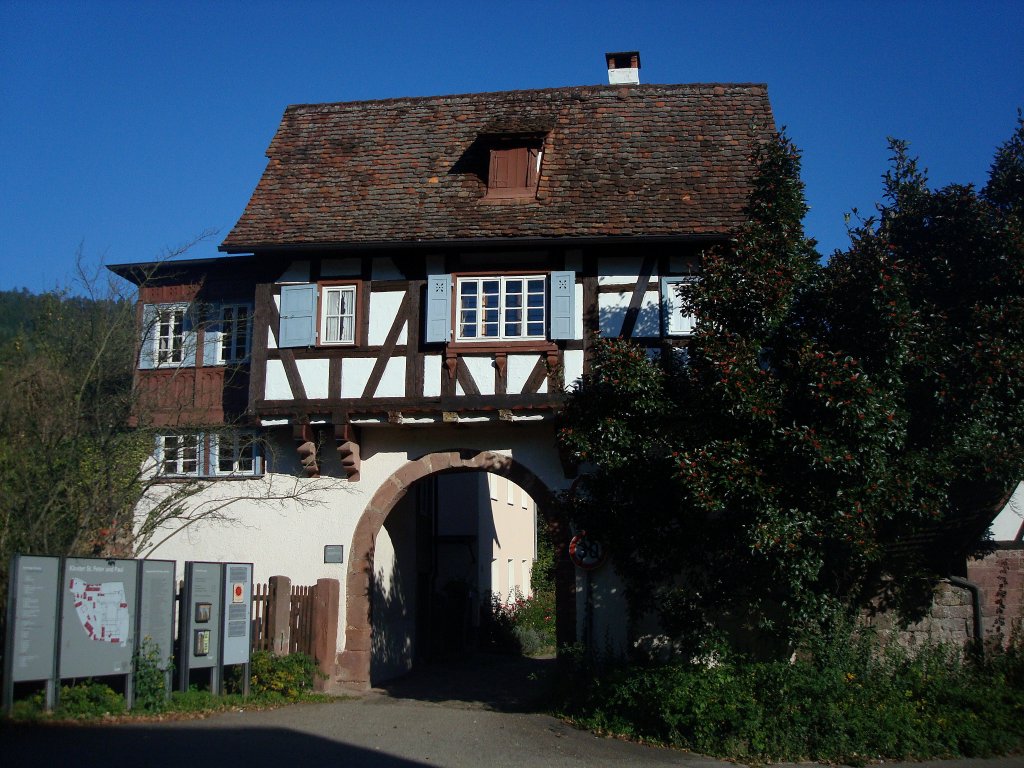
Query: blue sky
point(128, 129)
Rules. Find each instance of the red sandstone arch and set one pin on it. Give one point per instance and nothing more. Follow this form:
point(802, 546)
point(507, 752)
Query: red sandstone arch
point(353, 667)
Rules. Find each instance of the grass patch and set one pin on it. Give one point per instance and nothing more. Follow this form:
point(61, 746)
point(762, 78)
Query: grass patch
point(843, 700)
point(274, 681)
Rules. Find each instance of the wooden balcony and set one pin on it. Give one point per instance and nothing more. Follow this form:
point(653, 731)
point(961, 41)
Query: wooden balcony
point(178, 397)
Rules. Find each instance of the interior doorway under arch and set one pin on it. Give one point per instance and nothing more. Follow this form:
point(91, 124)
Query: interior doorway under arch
point(354, 663)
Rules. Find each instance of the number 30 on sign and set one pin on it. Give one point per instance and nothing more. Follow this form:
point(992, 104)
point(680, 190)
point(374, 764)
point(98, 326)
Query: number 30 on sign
point(585, 552)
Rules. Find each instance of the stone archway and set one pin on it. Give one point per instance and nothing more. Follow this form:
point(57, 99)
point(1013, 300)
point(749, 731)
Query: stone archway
point(353, 667)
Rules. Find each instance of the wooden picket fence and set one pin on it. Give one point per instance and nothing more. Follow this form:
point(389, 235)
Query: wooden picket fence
point(266, 629)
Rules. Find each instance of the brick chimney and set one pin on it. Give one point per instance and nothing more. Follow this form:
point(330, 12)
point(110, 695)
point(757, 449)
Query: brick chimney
point(623, 68)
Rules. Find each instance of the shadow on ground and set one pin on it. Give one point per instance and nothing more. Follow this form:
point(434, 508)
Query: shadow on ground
point(172, 746)
point(481, 680)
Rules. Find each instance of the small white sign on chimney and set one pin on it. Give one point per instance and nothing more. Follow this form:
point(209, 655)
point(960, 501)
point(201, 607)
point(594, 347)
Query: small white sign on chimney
point(623, 67)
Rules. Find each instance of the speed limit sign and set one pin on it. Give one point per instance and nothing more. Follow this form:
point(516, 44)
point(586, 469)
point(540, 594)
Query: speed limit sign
point(585, 552)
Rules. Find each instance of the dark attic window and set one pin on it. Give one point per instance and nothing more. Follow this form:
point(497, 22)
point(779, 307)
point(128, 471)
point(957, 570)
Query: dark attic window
point(514, 166)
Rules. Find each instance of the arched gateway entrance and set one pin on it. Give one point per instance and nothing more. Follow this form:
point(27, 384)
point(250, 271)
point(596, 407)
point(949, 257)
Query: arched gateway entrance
point(354, 662)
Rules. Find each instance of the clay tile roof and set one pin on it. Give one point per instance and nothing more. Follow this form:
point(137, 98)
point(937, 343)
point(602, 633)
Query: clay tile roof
point(642, 160)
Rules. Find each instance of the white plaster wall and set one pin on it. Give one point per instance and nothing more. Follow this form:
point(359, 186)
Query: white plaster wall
point(383, 308)
point(573, 366)
point(612, 309)
point(314, 374)
point(482, 371)
point(512, 536)
point(619, 270)
point(392, 381)
point(355, 372)
point(267, 524)
point(1008, 523)
point(394, 594)
point(432, 375)
point(277, 387)
point(517, 370)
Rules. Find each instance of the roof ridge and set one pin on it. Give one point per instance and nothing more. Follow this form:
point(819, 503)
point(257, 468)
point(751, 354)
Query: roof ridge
point(530, 91)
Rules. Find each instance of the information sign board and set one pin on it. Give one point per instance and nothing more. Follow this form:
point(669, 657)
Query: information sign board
point(156, 607)
point(32, 617)
point(98, 605)
point(237, 612)
point(202, 614)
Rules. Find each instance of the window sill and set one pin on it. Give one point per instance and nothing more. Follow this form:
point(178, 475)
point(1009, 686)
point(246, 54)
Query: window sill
point(541, 345)
point(509, 197)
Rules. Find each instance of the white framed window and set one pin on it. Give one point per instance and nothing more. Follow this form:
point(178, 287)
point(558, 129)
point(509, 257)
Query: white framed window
point(505, 308)
point(169, 334)
point(675, 321)
point(236, 330)
point(179, 455)
point(235, 453)
point(338, 314)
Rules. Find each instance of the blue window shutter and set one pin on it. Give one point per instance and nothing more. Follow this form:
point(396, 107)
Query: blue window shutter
point(298, 316)
point(190, 337)
point(146, 359)
point(211, 336)
point(439, 309)
point(563, 304)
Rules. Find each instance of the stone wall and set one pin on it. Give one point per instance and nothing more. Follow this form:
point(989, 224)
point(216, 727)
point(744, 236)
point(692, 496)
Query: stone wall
point(1000, 579)
point(1000, 576)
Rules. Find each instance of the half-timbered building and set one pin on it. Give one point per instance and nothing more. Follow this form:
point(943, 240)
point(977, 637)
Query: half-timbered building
point(410, 289)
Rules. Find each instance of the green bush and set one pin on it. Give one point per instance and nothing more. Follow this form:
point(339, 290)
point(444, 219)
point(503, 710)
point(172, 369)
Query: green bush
point(150, 680)
point(288, 677)
point(88, 699)
point(842, 699)
point(524, 626)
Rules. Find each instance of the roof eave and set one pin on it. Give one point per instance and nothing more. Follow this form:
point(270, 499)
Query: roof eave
point(380, 245)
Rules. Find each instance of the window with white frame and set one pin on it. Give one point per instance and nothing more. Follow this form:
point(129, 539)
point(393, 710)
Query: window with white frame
point(236, 330)
point(235, 453)
point(169, 334)
point(179, 455)
point(338, 314)
point(501, 308)
point(677, 322)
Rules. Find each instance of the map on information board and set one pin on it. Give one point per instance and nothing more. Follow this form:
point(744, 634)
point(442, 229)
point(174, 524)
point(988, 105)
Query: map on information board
point(102, 610)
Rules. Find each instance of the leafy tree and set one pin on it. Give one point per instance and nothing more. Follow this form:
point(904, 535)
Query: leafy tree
point(75, 477)
point(834, 434)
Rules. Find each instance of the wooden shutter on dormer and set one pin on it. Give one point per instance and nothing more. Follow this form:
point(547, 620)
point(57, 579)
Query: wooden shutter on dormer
point(563, 304)
point(298, 316)
point(438, 325)
point(146, 359)
point(211, 335)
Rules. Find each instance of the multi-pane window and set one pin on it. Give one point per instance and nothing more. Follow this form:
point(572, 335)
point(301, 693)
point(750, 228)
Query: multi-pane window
point(235, 323)
point(677, 321)
point(179, 454)
point(236, 454)
point(199, 454)
point(338, 314)
point(169, 335)
point(501, 308)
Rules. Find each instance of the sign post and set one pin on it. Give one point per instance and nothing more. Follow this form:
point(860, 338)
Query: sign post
point(32, 622)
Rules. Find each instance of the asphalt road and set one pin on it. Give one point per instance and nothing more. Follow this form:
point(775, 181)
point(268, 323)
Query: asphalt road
point(436, 719)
